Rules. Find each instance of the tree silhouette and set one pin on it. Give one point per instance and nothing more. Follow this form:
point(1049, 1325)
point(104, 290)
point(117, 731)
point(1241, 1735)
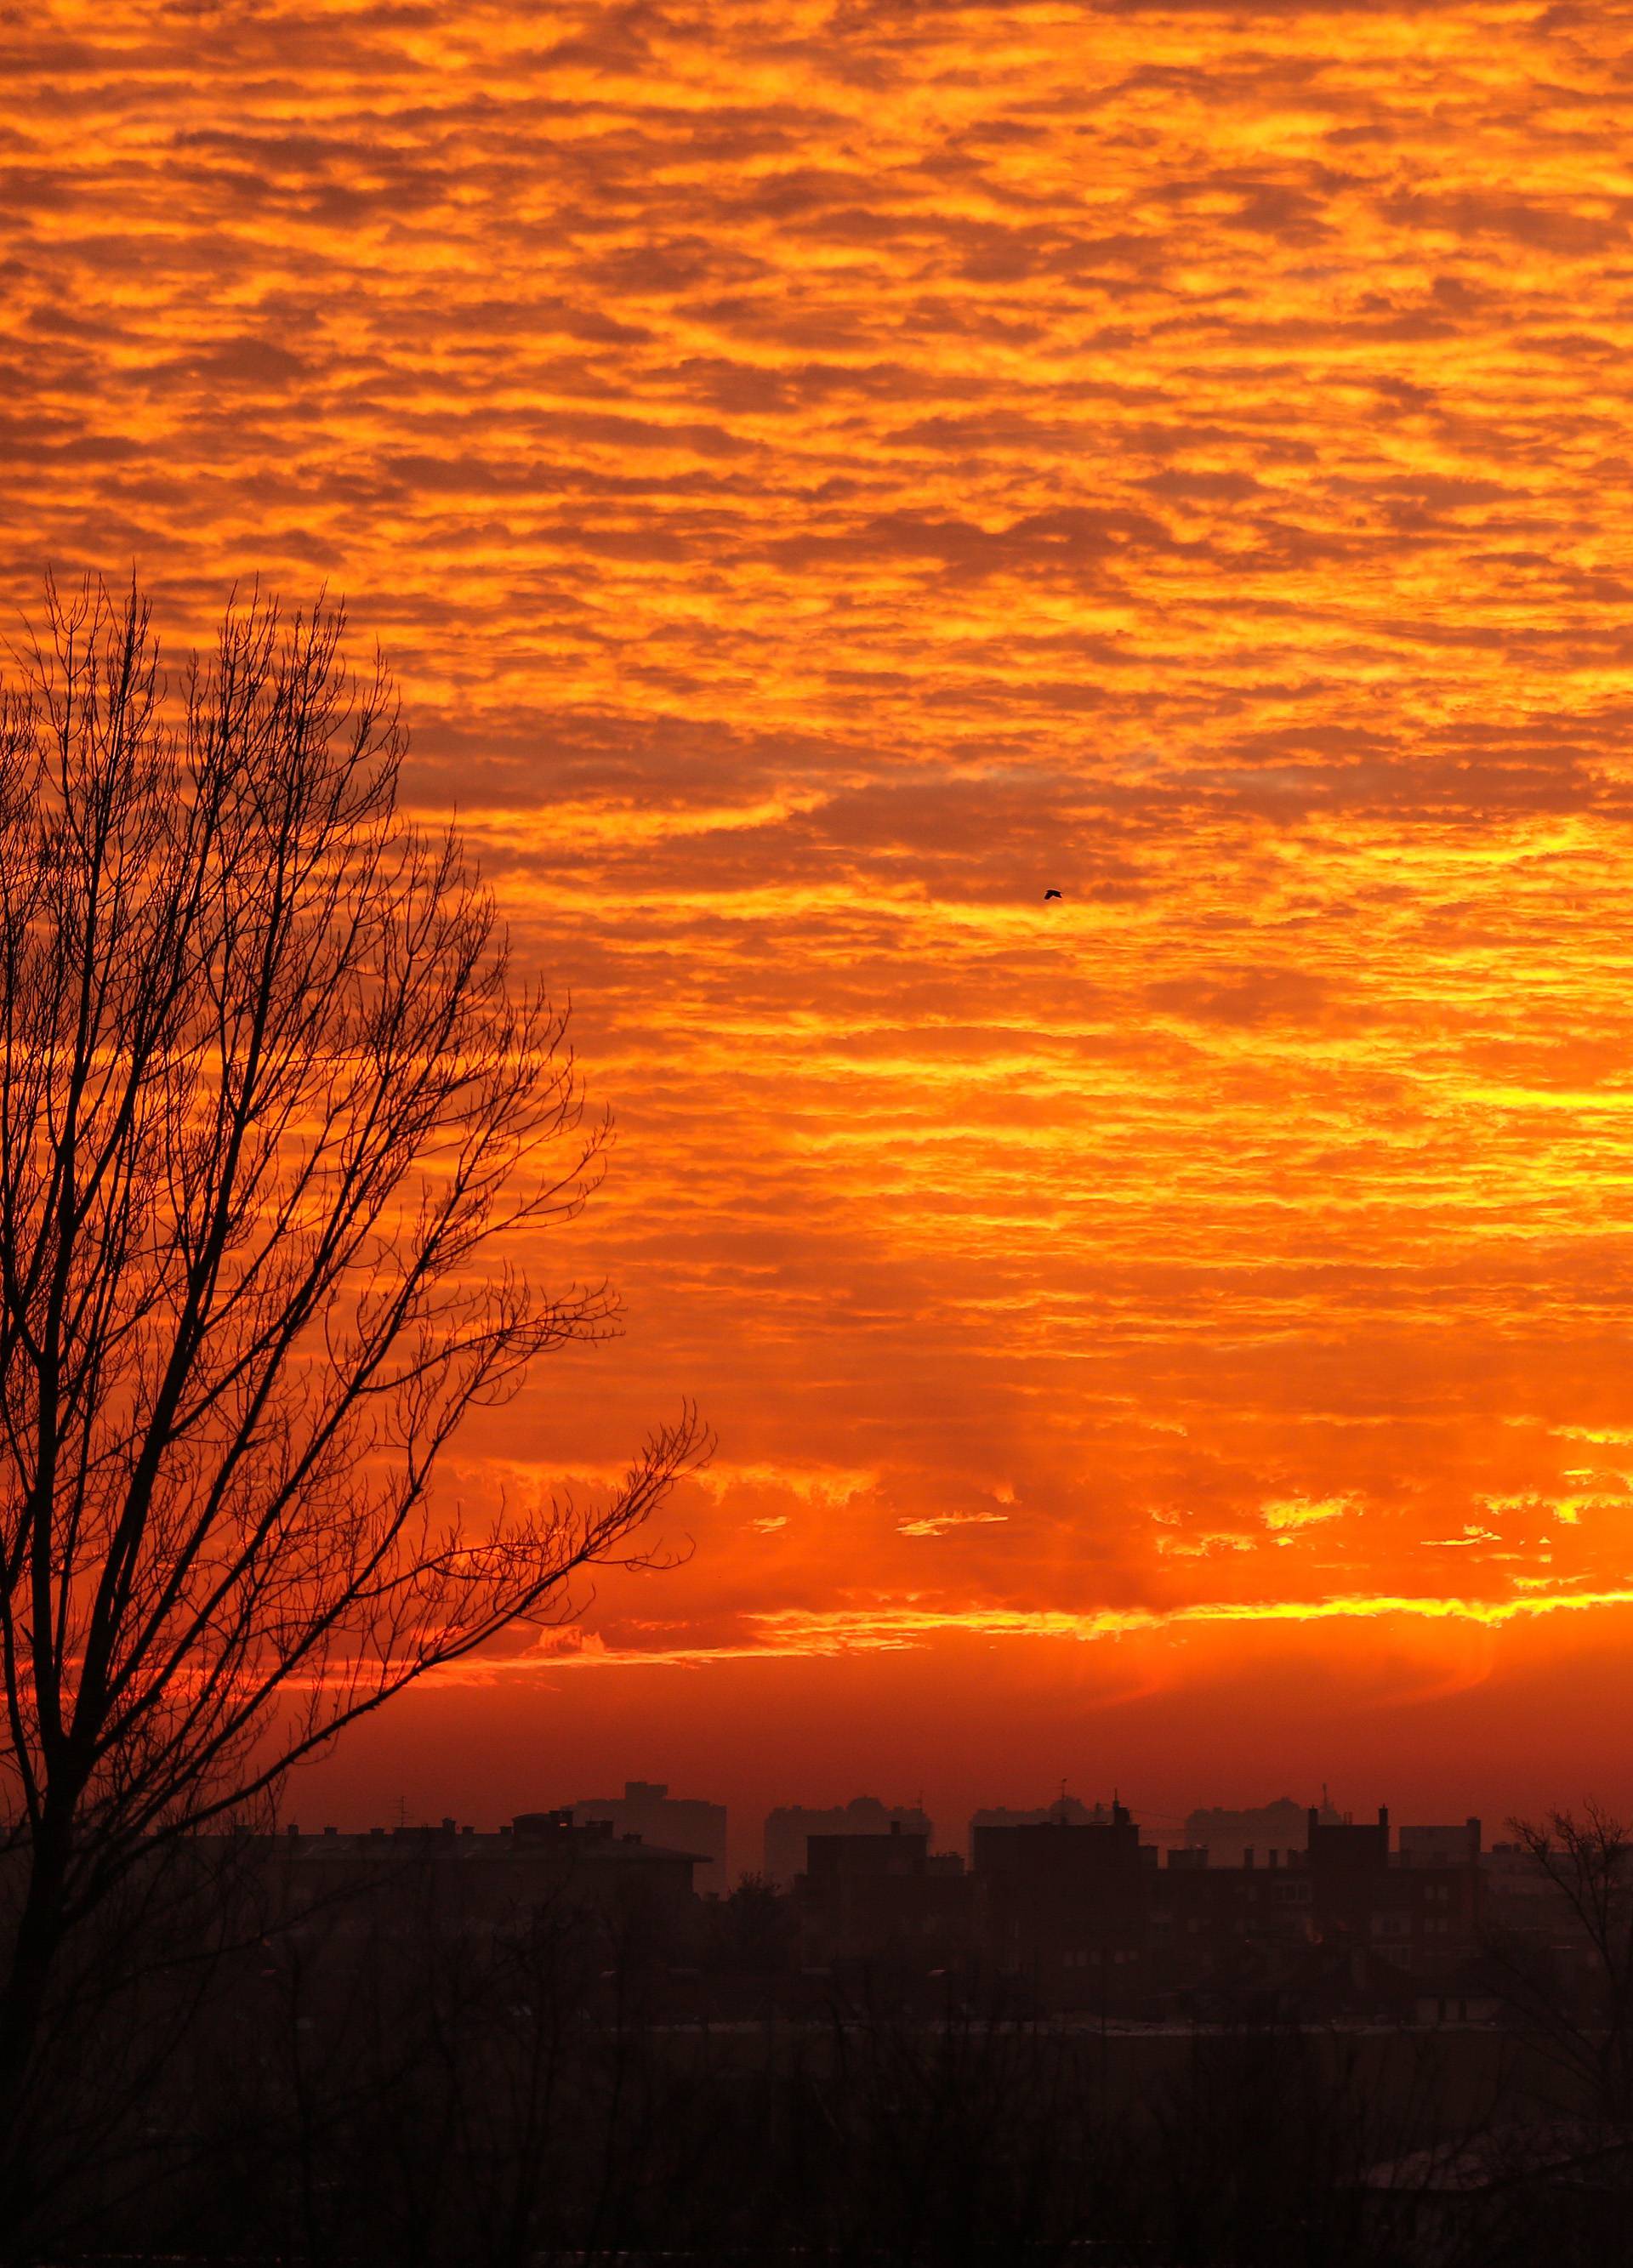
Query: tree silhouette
point(1582, 2024)
point(268, 1094)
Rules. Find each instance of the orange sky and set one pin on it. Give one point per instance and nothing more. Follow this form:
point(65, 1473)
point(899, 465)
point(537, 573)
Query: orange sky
point(824, 473)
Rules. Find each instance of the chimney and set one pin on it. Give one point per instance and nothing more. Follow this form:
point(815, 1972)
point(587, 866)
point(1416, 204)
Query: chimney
point(896, 1826)
point(1275, 1858)
point(1248, 1856)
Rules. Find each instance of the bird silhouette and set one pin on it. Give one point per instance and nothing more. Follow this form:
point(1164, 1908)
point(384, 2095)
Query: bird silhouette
point(1050, 893)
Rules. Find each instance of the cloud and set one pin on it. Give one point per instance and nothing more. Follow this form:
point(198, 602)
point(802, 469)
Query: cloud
point(941, 1523)
point(1289, 1515)
point(825, 475)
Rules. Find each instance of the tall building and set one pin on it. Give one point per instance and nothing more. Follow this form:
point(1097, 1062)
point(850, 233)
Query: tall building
point(788, 1828)
point(1062, 1904)
point(1228, 1837)
point(647, 1809)
point(1440, 1847)
point(1065, 1811)
point(882, 1896)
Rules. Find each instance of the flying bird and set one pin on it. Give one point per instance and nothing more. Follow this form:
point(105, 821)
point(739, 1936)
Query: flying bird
point(1050, 893)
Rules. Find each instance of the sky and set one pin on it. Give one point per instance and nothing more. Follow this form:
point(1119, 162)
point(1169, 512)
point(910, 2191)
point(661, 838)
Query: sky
point(825, 472)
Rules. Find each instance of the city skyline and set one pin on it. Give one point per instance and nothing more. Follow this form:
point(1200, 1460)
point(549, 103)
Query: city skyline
point(744, 1832)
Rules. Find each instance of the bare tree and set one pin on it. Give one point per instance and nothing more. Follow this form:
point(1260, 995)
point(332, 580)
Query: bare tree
point(269, 1094)
point(1582, 2022)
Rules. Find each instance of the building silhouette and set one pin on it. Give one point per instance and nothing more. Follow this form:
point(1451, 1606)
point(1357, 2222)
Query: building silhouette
point(790, 1826)
point(1076, 1913)
point(539, 1861)
point(1069, 1910)
point(1228, 1836)
point(647, 1809)
point(864, 1896)
point(1059, 1903)
point(1439, 1846)
point(1066, 1809)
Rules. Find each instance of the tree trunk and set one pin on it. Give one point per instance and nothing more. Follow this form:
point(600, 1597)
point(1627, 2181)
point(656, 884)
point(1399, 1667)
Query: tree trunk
point(36, 1945)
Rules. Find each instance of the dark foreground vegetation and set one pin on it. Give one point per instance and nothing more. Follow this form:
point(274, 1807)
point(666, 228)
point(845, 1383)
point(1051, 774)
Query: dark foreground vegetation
point(371, 2082)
